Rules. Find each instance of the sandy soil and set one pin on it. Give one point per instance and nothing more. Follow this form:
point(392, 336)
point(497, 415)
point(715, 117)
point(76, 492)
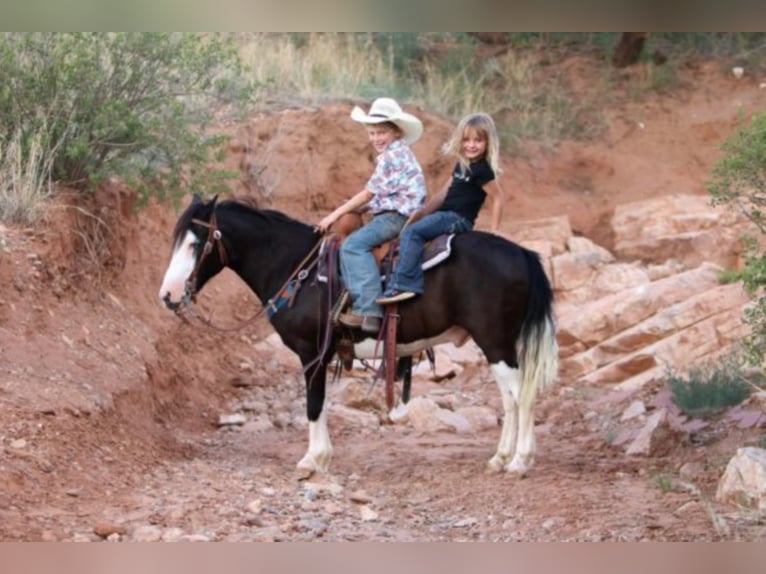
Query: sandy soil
point(109, 404)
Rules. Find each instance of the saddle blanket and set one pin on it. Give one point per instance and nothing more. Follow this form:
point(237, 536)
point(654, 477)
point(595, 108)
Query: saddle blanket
point(434, 252)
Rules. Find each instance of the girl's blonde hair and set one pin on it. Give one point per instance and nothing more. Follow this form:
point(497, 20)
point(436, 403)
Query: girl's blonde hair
point(482, 124)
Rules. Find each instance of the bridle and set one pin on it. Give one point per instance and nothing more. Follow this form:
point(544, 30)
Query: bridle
point(213, 237)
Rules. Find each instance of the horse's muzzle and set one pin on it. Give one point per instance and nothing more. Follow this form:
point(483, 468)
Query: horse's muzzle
point(186, 301)
point(170, 304)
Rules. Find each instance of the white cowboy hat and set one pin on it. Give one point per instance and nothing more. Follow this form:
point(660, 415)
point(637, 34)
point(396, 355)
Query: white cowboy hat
point(387, 110)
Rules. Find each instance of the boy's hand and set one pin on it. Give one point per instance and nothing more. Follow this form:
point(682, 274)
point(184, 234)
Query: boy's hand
point(325, 224)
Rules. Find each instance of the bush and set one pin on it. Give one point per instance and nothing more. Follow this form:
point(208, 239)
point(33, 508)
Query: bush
point(739, 177)
point(710, 388)
point(739, 182)
point(134, 105)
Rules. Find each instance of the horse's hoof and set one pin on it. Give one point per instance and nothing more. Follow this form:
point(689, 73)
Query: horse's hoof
point(303, 473)
point(306, 468)
point(518, 468)
point(516, 473)
point(495, 464)
point(399, 414)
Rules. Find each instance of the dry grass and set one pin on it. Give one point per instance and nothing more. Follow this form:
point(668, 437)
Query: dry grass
point(310, 68)
point(320, 66)
point(24, 179)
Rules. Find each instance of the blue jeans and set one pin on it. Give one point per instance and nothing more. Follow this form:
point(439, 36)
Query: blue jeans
point(408, 272)
point(358, 265)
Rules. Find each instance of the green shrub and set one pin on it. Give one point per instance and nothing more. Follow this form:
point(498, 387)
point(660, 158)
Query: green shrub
point(739, 177)
point(738, 182)
point(709, 388)
point(134, 105)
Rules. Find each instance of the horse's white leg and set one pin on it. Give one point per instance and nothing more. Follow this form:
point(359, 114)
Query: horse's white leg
point(319, 454)
point(524, 457)
point(540, 365)
point(509, 382)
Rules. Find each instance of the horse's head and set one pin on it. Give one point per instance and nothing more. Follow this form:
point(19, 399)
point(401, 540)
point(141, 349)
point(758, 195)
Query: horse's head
point(197, 254)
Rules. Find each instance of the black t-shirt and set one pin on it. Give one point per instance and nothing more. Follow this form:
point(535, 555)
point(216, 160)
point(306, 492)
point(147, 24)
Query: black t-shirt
point(465, 195)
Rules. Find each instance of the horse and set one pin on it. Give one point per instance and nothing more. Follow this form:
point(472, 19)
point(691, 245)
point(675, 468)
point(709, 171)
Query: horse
point(490, 289)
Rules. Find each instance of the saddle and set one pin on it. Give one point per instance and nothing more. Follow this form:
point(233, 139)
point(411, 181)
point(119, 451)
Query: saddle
point(434, 252)
point(328, 271)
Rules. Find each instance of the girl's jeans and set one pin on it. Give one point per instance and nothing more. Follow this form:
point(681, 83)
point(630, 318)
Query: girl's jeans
point(408, 273)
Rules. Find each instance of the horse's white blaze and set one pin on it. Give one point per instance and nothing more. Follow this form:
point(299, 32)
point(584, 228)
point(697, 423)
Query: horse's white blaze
point(319, 454)
point(179, 269)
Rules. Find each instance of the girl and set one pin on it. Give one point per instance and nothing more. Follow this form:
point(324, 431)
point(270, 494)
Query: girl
point(395, 191)
point(454, 209)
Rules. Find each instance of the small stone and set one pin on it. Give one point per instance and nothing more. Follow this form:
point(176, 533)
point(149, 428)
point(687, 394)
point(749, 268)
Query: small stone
point(107, 529)
point(256, 506)
point(333, 508)
point(148, 533)
point(231, 420)
point(195, 538)
point(550, 523)
point(319, 487)
point(361, 497)
point(367, 514)
point(172, 535)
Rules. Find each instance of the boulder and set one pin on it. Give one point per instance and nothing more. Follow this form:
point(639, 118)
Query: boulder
point(681, 227)
point(744, 481)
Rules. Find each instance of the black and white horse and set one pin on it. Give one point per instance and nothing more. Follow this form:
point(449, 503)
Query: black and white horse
point(490, 289)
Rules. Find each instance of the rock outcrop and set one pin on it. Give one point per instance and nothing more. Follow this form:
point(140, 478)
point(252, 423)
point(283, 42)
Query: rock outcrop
point(655, 301)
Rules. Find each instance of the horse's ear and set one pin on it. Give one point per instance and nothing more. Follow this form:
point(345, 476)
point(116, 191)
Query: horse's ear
point(197, 200)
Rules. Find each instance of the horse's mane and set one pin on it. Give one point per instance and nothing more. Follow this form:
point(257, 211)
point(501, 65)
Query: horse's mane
point(242, 205)
point(251, 206)
point(184, 221)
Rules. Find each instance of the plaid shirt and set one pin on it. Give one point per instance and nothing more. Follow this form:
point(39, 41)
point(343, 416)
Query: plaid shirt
point(397, 183)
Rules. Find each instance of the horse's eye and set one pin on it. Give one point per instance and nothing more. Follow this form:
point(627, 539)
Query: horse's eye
point(193, 246)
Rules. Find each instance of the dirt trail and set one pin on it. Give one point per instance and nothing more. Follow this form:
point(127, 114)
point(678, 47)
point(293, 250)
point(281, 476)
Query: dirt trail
point(388, 483)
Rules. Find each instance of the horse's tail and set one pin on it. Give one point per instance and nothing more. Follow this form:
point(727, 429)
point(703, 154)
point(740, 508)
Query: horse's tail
point(537, 347)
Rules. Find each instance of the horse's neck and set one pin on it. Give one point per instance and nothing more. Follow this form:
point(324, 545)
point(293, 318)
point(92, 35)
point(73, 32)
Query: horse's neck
point(270, 255)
